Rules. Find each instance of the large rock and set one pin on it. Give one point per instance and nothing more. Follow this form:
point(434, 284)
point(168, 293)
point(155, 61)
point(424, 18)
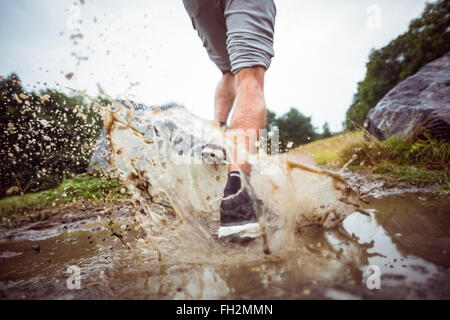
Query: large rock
point(420, 102)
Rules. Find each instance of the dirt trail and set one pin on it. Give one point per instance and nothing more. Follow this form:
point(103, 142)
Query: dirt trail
point(406, 235)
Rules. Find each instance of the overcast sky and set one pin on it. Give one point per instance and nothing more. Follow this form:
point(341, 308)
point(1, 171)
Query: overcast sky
point(147, 50)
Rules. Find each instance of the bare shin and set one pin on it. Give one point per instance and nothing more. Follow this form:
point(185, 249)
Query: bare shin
point(224, 97)
point(249, 115)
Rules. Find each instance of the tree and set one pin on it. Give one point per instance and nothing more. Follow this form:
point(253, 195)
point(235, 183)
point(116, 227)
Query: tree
point(294, 128)
point(270, 119)
point(326, 132)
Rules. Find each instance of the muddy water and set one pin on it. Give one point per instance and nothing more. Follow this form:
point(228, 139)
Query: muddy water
point(157, 155)
point(407, 236)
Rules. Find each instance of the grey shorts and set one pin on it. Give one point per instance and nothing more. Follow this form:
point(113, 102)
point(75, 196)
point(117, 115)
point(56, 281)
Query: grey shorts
point(236, 33)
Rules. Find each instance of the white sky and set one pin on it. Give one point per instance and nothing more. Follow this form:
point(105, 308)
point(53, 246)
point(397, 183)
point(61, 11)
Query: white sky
point(321, 48)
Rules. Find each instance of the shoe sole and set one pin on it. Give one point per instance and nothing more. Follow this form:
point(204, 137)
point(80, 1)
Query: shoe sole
point(249, 230)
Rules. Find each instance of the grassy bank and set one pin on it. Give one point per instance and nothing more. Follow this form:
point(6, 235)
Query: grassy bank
point(76, 188)
point(423, 162)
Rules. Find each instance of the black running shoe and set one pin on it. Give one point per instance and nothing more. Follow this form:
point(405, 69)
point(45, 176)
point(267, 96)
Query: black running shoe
point(239, 214)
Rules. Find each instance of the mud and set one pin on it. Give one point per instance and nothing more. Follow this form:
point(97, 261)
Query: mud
point(406, 235)
point(368, 185)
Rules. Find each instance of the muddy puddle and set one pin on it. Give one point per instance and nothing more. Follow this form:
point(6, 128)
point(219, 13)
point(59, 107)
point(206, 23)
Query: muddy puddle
point(407, 236)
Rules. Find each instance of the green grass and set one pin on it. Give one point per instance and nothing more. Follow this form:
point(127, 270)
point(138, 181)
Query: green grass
point(326, 151)
point(421, 162)
point(88, 187)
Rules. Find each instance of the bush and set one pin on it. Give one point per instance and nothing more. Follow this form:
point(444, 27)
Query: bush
point(44, 136)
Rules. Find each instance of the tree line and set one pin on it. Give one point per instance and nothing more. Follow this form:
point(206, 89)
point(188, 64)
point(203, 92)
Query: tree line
point(295, 129)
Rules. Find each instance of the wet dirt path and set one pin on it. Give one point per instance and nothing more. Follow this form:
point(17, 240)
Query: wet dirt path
point(406, 235)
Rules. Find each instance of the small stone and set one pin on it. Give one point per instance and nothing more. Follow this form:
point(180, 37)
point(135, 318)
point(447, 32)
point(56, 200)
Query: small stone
point(36, 248)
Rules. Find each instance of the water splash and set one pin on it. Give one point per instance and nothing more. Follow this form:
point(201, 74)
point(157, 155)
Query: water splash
point(157, 154)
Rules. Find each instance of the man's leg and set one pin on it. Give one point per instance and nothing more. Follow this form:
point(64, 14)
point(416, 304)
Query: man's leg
point(238, 36)
point(223, 103)
point(249, 115)
point(224, 97)
point(250, 28)
point(239, 214)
